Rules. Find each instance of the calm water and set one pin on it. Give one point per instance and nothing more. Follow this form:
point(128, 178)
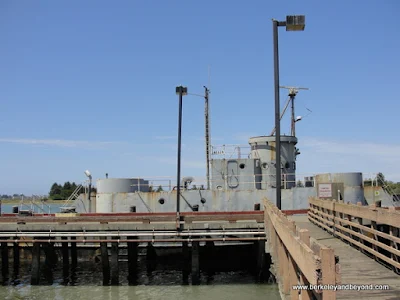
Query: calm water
point(163, 282)
point(176, 292)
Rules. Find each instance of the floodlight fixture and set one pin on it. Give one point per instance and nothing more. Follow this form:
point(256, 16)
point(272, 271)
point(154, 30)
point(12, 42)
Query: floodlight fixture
point(295, 23)
point(88, 174)
point(181, 90)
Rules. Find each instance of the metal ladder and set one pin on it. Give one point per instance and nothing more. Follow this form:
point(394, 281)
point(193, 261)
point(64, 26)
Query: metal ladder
point(394, 198)
point(73, 196)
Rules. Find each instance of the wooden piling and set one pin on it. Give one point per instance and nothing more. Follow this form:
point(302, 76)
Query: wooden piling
point(35, 278)
point(114, 262)
point(65, 258)
point(16, 257)
point(65, 253)
point(4, 259)
point(105, 263)
point(48, 265)
point(151, 258)
point(195, 263)
point(185, 261)
point(209, 253)
point(260, 262)
point(74, 254)
point(132, 260)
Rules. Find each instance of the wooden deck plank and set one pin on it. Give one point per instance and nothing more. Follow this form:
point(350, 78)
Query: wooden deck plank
point(357, 268)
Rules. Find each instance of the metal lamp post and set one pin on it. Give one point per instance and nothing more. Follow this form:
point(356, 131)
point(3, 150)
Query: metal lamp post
point(180, 90)
point(292, 23)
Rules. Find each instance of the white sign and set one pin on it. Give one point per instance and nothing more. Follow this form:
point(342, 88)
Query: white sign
point(325, 190)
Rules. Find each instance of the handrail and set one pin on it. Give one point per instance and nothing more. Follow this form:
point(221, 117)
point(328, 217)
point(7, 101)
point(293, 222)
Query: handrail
point(299, 258)
point(168, 182)
point(73, 196)
point(362, 226)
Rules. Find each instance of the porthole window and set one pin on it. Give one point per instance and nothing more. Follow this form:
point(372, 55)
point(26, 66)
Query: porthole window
point(265, 165)
point(161, 201)
point(242, 166)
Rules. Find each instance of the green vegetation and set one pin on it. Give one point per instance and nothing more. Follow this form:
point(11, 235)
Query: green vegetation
point(299, 183)
point(389, 186)
point(62, 192)
point(159, 189)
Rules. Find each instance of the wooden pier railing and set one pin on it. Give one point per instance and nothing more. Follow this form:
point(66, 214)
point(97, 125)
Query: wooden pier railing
point(371, 229)
point(302, 264)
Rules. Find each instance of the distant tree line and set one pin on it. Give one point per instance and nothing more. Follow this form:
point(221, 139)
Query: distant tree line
point(63, 192)
point(15, 196)
point(387, 185)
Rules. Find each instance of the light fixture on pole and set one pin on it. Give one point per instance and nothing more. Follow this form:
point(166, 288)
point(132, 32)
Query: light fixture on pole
point(292, 23)
point(180, 90)
point(89, 175)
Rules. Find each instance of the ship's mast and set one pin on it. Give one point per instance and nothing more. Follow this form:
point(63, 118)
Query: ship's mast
point(292, 95)
point(207, 132)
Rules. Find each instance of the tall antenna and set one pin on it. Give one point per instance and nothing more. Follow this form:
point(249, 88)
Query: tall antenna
point(292, 94)
point(207, 125)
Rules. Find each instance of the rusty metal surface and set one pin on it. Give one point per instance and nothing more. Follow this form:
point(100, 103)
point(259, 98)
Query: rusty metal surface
point(136, 217)
point(251, 218)
point(223, 239)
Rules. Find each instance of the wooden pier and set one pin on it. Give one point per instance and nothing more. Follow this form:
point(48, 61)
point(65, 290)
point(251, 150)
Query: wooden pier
point(335, 244)
point(108, 234)
point(320, 253)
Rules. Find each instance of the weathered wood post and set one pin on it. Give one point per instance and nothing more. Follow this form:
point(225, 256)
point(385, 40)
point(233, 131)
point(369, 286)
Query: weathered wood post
point(105, 262)
point(4, 259)
point(132, 260)
point(16, 257)
point(151, 258)
point(74, 254)
point(185, 263)
point(209, 257)
point(65, 256)
point(285, 270)
point(114, 262)
point(35, 264)
point(304, 235)
point(328, 267)
point(260, 262)
point(195, 263)
point(65, 252)
point(48, 262)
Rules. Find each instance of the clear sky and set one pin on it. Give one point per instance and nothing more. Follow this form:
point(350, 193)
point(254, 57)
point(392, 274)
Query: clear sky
point(91, 85)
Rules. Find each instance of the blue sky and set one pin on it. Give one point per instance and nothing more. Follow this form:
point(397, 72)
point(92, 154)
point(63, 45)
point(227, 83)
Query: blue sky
point(91, 85)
